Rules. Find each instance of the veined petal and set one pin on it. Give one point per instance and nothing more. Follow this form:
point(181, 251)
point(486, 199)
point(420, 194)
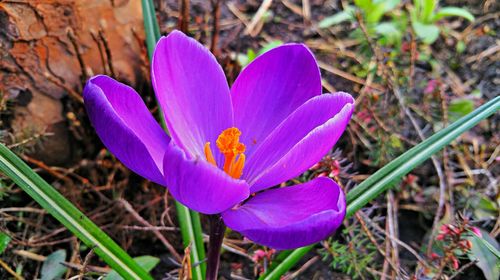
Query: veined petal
point(300, 141)
point(193, 92)
point(270, 88)
point(126, 127)
point(290, 217)
point(200, 185)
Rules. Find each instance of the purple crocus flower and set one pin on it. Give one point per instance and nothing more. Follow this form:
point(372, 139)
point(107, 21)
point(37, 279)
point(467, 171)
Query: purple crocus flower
point(229, 147)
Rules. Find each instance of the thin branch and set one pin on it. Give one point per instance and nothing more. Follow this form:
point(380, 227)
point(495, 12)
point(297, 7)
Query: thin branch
point(399, 242)
point(183, 22)
point(157, 233)
point(251, 27)
point(215, 26)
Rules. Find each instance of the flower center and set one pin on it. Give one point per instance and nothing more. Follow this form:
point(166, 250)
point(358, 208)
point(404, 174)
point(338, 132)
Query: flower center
point(229, 145)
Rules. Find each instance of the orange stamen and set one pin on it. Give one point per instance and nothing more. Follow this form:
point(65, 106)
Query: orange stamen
point(237, 168)
point(209, 155)
point(229, 145)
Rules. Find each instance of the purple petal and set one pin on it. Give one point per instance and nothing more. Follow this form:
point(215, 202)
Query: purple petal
point(270, 88)
point(193, 92)
point(126, 127)
point(300, 141)
point(200, 185)
point(290, 217)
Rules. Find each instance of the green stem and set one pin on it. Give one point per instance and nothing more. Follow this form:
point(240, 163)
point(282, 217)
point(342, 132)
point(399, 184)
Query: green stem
point(189, 220)
point(198, 233)
point(188, 238)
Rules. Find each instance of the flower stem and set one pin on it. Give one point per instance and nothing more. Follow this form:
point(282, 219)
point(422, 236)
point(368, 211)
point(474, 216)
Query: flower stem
point(217, 229)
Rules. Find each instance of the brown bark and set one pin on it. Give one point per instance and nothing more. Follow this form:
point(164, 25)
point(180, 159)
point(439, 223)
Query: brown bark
point(49, 48)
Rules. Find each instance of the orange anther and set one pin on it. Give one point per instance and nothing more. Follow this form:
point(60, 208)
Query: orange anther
point(228, 142)
point(237, 167)
point(229, 145)
point(209, 155)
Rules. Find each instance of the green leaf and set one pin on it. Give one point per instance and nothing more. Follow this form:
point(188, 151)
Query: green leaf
point(363, 4)
point(417, 4)
point(483, 207)
point(483, 250)
point(150, 26)
point(346, 15)
point(53, 267)
point(460, 47)
point(395, 141)
point(428, 10)
point(490, 243)
point(66, 213)
point(198, 239)
point(459, 108)
point(251, 54)
point(271, 45)
point(453, 12)
point(389, 4)
point(189, 239)
point(374, 13)
point(389, 31)
point(427, 32)
point(396, 169)
point(277, 260)
point(244, 60)
point(487, 204)
point(4, 241)
point(292, 258)
point(386, 27)
point(146, 262)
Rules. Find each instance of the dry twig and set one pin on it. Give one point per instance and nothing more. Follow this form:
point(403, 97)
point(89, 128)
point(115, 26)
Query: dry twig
point(157, 233)
point(252, 29)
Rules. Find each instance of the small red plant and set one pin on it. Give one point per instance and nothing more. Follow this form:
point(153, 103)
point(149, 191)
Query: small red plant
point(454, 244)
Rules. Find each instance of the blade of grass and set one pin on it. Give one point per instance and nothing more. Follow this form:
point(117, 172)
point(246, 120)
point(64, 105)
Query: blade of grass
point(189, 220)
point(150, 26)
point(277, 261)
point(432, 145)
point(188, 239)
point(392, 172)
point(290, 258)
point(198, 234)
point(361, 188)
point(66, 213)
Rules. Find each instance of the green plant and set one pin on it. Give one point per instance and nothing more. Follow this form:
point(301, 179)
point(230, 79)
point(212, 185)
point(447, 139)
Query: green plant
point(354, 256)
point(5, 188)
point(4, 241)
point(373, 11)
point(147, 262)
point(52, 267)
point(425, 14)
point(485, 251)
point(245, 59)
